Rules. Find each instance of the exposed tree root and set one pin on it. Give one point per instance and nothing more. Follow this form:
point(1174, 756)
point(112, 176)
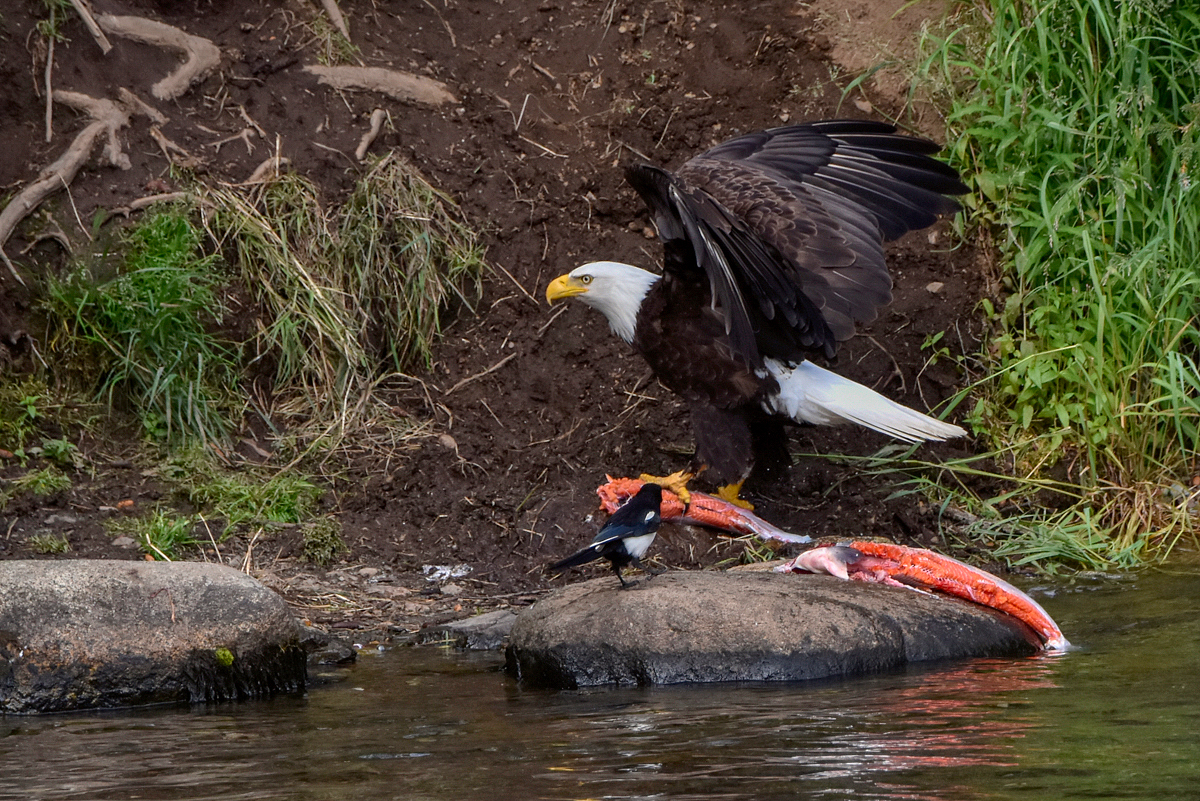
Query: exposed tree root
point(150, 200)
point(107, 118)
point(202, 55)
point(266, 171)
point(245, 136)
point(175, 154)
point(394, 83)
point(377, 118)
point(139, 106)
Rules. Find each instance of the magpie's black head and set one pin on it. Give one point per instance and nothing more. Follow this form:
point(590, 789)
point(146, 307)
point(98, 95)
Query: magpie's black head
point(640, 514)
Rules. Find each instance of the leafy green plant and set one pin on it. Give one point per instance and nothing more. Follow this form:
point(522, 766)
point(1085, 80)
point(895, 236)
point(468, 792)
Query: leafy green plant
point(31, 411)
point(1076, 121)
point(63, 453)
point(144, 335)
point(19, 411)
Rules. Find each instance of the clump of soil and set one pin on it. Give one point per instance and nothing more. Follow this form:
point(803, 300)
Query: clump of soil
point(550, 96)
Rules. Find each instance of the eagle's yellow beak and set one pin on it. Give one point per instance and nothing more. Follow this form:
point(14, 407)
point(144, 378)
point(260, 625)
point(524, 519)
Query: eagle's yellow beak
point(564, 287)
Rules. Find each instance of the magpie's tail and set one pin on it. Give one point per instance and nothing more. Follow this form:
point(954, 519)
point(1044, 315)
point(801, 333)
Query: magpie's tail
point(581, 558)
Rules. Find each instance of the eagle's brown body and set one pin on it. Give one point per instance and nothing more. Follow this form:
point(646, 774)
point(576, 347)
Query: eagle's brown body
point(773, 251)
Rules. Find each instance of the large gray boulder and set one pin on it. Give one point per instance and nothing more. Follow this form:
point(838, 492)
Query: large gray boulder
point(745, 626)
point(85, 634)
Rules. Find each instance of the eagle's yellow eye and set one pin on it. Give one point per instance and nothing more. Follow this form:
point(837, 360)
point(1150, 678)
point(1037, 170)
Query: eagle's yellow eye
point(585, 279)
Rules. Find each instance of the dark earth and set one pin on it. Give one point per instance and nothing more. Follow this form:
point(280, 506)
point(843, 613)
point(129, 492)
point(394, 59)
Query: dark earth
point(552, 96)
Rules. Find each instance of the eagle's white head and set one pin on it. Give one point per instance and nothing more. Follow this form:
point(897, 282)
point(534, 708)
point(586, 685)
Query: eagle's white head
point(614, 289)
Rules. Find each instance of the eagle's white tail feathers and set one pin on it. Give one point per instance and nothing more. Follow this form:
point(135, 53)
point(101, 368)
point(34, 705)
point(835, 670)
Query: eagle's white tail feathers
point(811, 394)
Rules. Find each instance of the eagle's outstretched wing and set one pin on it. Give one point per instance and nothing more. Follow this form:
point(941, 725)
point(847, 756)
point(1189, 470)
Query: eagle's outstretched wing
point(788, 226)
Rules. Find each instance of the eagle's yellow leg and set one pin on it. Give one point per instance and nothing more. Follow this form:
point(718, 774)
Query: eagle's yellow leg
point(732, 493)
point(676, 483)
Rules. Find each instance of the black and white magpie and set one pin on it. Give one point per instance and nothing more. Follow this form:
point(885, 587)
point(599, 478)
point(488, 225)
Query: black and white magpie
point(626, 536)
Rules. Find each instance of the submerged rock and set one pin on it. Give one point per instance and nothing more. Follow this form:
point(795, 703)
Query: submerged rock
point(746, 626)
point(486, 632)
point(87, 634)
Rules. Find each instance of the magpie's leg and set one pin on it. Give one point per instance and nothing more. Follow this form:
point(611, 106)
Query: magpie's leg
point(624, 584)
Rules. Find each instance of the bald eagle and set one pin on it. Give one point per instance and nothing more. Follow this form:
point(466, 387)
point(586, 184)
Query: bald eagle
point(772, 252)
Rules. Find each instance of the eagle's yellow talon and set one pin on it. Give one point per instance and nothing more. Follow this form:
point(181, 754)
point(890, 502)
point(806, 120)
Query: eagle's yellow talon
point(676, 483)
point(732, 493)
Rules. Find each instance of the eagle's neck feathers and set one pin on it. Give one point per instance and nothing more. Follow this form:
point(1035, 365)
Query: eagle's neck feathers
point(616, 290)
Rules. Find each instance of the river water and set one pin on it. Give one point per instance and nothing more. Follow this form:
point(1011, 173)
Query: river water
point(1116, 718)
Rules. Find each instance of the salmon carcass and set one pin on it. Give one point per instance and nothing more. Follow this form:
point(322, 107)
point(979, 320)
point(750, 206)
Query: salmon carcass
point(859, 560)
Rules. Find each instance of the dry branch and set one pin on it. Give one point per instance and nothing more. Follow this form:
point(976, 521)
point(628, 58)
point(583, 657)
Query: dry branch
point(394, 83)
point(202, 55)
point(335, 16)
point(107, 118)
point(377, 118)
point(488, 371)
point(50, 91)
point(81, 6)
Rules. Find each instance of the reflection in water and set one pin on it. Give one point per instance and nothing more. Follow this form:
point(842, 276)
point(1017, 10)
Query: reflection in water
point(838, 736)
point(1114, 719)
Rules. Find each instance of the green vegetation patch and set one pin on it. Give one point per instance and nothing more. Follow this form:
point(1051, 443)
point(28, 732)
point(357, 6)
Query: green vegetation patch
point(146, 334)
point(163, 533)
point(49, 544)
point(250, 496)
point(1076, 122)
point(323, 541)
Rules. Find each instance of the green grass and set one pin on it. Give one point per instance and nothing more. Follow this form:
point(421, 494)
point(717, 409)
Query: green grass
point(1076, 123)
point(332, 304)
point(57, 12)
point(247, 497)
point(339, 302)
point(1036, 521)
point(144, 336)
point(349, 296)
point(49, 543)
point(164, 534)
point(407, 256)
point(46, 481)
point(332, 48)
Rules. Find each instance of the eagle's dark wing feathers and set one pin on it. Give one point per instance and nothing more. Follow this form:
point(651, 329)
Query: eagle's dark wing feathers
point(746, 285)
point(789, 224)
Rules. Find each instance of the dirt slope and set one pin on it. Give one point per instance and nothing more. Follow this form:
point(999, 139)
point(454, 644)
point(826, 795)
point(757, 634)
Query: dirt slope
point(551, 96)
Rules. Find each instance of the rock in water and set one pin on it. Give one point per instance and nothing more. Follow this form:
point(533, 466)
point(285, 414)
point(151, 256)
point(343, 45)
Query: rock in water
point(746, 626)
point(87, 634)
